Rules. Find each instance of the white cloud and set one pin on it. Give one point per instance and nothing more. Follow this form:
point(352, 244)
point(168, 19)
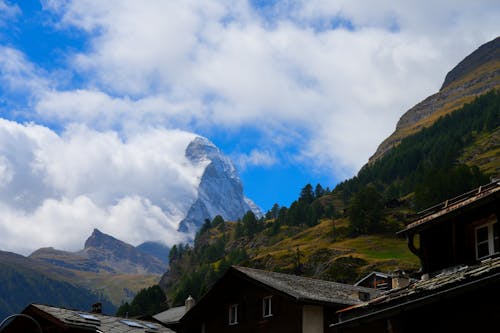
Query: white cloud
point(205, 64)
point(256, 158)
point(18, 74)
point(8, 12)
point(331, 94)
point(137, 188)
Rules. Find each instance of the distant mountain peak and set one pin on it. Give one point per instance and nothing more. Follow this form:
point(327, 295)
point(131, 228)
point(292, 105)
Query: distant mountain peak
point(489, 52)
point(103, 252)
point(99, 239)
point(220, 191)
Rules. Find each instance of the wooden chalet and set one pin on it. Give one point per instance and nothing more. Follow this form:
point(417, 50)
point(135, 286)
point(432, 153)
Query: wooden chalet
point(252, 300)
point(49, 319)
point(460, 284)
point(375, 280)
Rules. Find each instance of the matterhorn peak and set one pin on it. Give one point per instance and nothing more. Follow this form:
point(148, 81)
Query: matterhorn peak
point(220, 191)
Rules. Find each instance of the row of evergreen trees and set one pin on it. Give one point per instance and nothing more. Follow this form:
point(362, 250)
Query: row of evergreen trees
point(427, 163)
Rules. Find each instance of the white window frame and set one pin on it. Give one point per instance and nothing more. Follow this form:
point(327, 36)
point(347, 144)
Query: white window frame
point(490, 240)
point(267, 299)
point(233, 308)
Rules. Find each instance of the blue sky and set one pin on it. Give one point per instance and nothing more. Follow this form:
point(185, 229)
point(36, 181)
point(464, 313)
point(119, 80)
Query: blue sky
point(295, 92)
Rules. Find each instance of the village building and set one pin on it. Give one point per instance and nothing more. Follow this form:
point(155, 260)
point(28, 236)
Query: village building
point(253, 300)
point(37, 318)
point(459, 287)
point(171, 318)
point(375, 280)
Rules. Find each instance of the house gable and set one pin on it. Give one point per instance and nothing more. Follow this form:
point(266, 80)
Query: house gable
point(238, 303)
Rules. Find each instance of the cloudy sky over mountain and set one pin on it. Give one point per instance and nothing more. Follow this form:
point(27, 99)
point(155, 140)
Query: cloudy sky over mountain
point(95, 95)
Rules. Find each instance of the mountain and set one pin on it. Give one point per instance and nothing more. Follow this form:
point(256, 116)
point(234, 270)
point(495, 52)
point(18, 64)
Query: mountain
point(24, 281)
point(103, 253)
point(155, 249)
point(445, 146)
point(220, 191)
point(475, 75)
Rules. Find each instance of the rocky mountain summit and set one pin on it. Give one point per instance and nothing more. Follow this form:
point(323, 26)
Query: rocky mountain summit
point(103, 253)
point(220, 191)
point(475, 75)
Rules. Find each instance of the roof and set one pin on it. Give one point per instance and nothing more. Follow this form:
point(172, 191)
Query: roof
point(96, 322)
point(454, 280)
point(368, 276)
point(450, 207)
point(172, 315)
point(307, 290)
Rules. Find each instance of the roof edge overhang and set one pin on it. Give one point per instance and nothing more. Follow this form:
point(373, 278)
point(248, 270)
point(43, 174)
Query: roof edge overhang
point(417, 301)
point(450, 208)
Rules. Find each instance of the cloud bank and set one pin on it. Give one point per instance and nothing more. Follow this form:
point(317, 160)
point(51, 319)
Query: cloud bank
point(54, 189)
point(98, 141)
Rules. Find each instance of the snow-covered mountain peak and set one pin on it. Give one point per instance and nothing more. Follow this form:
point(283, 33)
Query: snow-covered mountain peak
point(220, 191)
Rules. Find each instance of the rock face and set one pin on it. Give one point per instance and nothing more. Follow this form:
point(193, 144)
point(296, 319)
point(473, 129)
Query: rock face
point(103, 253)
point(220, 191)
point(477, 74)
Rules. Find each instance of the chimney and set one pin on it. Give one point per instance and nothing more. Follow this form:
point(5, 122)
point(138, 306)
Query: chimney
point(97, 307)
point(189, 303)
point(399, 279)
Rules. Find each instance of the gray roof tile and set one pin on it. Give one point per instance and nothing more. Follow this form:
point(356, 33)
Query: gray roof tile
point(308, 289)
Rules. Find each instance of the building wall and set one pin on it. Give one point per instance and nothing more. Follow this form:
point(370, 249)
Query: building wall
point(287, 314)
point(312, 319)
point(452, 242)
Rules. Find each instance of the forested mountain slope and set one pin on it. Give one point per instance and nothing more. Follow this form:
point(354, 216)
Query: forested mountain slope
point(477, 74)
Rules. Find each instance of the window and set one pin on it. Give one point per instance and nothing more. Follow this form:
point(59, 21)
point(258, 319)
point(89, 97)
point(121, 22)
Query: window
point(233, 314)
point(266, 307)
point(487, 240)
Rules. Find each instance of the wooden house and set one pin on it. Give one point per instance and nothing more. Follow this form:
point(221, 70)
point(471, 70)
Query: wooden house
point(38, 318)
point(375, 280)
point(460, 284)
point(252, 300)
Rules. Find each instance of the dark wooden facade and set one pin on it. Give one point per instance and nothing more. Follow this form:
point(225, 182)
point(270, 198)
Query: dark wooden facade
point(448, 231)
point(460, 285)
point(288, 312)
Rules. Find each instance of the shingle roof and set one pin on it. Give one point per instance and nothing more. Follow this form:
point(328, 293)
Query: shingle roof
point(172, 315)
point(306, 289)
point(99, 322)
point(448, 281)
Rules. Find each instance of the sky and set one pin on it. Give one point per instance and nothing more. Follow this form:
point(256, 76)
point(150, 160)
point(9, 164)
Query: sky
point(98, 99)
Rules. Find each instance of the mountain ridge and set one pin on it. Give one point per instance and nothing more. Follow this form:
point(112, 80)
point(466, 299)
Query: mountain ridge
point(103, 252)
point(476, 74)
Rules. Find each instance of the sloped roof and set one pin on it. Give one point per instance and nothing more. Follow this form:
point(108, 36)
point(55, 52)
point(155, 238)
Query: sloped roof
point(304, 289)
point(172, 315)
point(452, 280)
point(369, 275)
point(469, 200)
point(94, 321)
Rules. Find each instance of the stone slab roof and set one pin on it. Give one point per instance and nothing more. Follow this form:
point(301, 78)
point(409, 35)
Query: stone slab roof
point(94, 321)
point(448, 281)
point(305, 289)
point(172, 315)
